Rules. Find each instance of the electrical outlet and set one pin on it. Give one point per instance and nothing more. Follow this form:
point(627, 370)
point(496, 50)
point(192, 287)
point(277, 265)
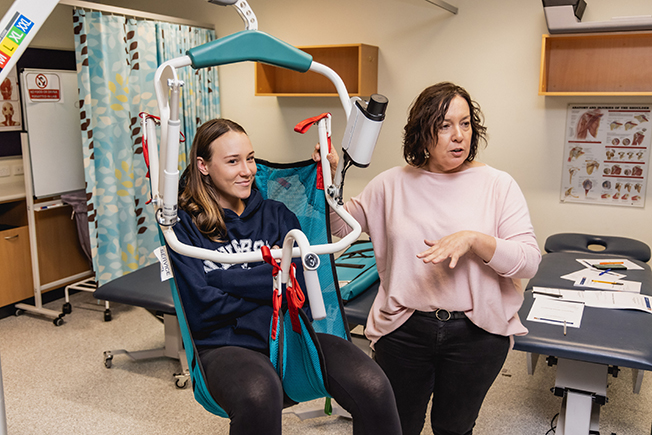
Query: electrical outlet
point(18, 170)
point(5, 171)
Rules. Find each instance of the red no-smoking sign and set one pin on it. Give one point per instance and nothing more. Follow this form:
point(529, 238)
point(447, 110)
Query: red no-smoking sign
point(41, 81)
point(43, 87)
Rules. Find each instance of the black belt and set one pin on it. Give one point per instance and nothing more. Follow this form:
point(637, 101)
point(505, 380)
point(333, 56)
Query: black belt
point(444, 315)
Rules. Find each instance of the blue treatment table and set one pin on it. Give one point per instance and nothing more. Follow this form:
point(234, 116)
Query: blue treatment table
point(607, 337)
point(143, 288)
point(357, 309)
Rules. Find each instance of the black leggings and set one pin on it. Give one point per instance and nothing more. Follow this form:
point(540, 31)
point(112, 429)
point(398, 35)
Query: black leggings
point(244, 383)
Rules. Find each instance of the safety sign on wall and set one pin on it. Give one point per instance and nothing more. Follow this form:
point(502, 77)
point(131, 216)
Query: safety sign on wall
point(606, 154)
point(43, 87)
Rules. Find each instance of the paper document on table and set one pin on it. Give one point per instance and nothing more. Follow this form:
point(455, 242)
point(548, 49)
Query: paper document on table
point(596, 298)
point(592, 273)
point(618, 300)
point(609, 284)
point(590, 262)
point(556, 312)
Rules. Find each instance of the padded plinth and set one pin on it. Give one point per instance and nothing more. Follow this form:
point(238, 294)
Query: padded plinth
point(141, 288)
point(606, 336)
point(613, 245)
point(357, 309)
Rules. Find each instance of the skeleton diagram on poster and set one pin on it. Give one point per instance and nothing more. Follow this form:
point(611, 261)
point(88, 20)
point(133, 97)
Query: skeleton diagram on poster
point(606, 154)
point(10, 102)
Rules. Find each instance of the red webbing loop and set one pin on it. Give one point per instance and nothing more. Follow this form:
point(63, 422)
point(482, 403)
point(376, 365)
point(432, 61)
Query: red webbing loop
point(267, 257)
point(303, 127)
point(320, 176)
point(296, 298)
point(277, 301)
point(277, 297)
point(146, 155)
point(145, 145)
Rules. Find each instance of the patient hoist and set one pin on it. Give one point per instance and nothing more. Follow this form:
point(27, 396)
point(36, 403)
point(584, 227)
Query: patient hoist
point(365, 118)
point(363, 127)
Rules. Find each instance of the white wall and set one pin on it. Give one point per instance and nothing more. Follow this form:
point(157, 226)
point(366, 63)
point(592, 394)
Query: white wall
point(491, 47)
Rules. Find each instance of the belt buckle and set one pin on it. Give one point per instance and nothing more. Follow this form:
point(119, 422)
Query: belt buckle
point(446, 319)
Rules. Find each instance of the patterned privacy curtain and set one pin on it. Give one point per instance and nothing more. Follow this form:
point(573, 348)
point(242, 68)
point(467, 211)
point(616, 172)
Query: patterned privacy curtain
point(200, 90)
point(116, 62)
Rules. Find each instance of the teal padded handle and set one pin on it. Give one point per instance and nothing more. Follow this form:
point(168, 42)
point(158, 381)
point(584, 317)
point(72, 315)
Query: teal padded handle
point(249, 45)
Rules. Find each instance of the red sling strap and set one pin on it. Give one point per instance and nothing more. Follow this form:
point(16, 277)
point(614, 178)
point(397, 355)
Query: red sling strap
point(303, 127)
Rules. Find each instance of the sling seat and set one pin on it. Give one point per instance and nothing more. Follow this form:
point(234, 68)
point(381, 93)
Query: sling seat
point(295, 186)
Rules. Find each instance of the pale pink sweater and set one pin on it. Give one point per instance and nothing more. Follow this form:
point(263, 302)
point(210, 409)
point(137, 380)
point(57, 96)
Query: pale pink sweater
point(405, 205)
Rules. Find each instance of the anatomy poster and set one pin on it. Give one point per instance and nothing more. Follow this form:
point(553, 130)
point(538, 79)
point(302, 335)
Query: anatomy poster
point(10, 119)
point(607, 154)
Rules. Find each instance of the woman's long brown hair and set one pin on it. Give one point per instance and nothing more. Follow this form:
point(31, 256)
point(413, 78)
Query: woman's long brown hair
point(198, 197)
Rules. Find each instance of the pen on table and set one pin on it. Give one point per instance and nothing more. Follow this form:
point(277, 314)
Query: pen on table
point(612, 262)
point(606, 271)
point(607, 282)
point(553, 320)
point(564, 327)
point(552, 295)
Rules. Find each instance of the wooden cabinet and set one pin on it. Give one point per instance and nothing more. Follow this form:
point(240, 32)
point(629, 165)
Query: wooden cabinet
point(60, 255)
point(15, 260)
point(356, 64)
point(596, 64)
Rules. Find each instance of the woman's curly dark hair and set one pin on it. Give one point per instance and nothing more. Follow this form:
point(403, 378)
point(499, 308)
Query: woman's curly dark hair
point(426, 117)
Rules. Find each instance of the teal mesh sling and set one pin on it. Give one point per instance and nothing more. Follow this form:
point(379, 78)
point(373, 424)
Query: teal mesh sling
point(296, 356)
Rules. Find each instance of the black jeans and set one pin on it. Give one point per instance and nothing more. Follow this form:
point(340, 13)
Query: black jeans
point(454, 361)
point(244, 383)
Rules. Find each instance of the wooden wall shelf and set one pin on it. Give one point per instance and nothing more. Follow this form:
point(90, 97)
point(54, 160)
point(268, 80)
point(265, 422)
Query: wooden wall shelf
point(603, 64)
point(357, 64)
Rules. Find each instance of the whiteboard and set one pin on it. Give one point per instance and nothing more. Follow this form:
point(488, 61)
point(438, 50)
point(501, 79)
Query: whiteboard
point(54, 133)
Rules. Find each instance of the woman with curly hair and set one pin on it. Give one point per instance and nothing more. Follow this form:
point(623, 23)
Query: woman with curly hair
point(452, 238)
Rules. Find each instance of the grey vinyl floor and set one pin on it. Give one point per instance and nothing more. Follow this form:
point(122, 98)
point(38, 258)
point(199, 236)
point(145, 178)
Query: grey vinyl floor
point(55, 382)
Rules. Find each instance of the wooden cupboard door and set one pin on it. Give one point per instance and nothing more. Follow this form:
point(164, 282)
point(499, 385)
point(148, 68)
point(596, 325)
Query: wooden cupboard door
point(16, 281)
point(59, 253)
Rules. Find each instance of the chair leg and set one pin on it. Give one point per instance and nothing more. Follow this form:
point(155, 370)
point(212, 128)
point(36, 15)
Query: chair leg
point(638, 380)
point(173, 349)
point(173, 341)
point(531, 360)
point(3, 414)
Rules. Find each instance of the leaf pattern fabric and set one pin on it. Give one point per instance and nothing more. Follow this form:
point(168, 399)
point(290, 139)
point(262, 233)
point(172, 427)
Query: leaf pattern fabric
point(201, 101)
point(116, 62)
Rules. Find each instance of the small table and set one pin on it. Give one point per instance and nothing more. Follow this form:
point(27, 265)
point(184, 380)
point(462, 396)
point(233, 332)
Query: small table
point(607, 337)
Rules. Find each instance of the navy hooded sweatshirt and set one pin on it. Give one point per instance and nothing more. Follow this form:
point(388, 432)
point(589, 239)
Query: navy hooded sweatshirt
point(231, 304)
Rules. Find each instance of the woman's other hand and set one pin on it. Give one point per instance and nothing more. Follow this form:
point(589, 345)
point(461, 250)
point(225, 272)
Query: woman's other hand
point(457, 245)
point(332, 158)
